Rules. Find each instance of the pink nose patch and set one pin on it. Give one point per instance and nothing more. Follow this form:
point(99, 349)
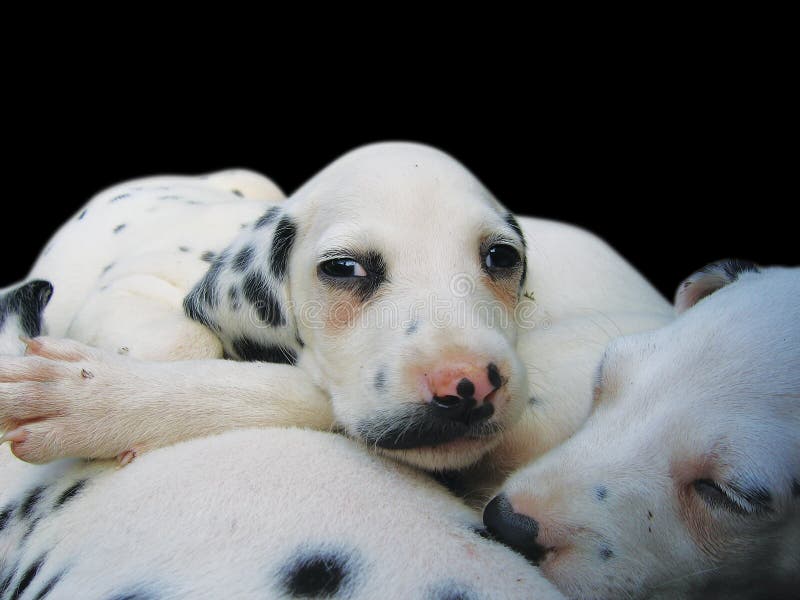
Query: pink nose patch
point(464, 381)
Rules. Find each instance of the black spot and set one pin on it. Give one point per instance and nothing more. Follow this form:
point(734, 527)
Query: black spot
point(107, 268)
point(412, 328)
point(28, 505)
point(70, 493)
point(237, 193)
point(243, 258)
point(197, 313)
point(252, 351)
point(27, 301)
point(48, 587)
point(6, 581)
point(207, 256)
point(533, 400)
point(258, 293)
point(322, 574)
point(31, 526)
point(5, 516)
point(606, 553)
point(234, 299)
point(26, 579)
point(494, 375)
point(119, 227)
point(795, 489)
point(380, 380)
point(205, 295)
point(83, 214)
point(601, 492)
point(120, 197)
point(184, 248)
point(451, 591)
point(282, 241)
point(512, 222)
point(268, 217)
point(299, 340)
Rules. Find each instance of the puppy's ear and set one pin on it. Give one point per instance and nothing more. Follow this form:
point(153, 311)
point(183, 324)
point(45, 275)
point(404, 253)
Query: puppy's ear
point(244, 297)
point(27, 302)
point(708, 280)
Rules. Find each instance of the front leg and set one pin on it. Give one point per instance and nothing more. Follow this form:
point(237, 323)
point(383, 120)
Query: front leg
point(65, 399)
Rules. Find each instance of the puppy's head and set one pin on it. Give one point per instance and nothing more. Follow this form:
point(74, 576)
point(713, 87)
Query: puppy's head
point(21, 311)
point(392, 278)
point(686, 478)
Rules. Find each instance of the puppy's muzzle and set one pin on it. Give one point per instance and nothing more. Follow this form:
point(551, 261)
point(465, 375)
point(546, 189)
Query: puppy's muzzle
point(459, 405)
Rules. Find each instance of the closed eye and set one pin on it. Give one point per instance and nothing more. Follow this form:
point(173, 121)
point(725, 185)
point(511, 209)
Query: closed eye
point(733, 498)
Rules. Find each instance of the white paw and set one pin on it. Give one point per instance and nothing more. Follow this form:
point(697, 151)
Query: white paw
point(57, 401)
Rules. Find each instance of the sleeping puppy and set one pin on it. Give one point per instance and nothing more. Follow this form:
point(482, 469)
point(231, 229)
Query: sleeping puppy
point(409, 308)
point(685, 481)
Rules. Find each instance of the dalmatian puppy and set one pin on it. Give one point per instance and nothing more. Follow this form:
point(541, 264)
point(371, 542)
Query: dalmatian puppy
point(685, 481)
point(392, 297)
point(269, 513)
point(289, 513)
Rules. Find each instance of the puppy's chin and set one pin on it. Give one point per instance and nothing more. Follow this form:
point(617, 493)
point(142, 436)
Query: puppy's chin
point(417, 436)
point(458, 454)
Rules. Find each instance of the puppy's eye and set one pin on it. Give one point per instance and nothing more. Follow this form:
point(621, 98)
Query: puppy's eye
point(342, 268)
point(712, 494)
point(502, 256)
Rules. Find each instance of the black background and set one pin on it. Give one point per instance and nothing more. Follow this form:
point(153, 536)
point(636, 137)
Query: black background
point(673, 171)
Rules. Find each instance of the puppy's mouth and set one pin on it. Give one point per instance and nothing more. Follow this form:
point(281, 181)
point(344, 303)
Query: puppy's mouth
point(421, 427)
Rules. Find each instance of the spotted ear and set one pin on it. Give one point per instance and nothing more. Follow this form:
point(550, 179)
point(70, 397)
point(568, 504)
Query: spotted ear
point(21, 311)
point(244, 297)
point(708, 280)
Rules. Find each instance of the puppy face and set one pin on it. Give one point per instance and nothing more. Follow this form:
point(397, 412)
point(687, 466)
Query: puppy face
point(687, 476)
point(392, 278)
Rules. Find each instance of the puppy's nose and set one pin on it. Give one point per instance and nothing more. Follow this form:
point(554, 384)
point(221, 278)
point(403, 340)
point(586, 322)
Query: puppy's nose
point(514, 529)
point(463, 392)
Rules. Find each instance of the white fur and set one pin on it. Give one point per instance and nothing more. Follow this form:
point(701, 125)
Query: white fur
point(713, 396)
point(227, 516)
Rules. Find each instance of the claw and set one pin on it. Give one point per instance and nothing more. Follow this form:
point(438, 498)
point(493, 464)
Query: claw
point(125, 458)
point(15, 435)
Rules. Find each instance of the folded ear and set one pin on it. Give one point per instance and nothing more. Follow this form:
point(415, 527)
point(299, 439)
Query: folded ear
point(26, 302)
point(708, 280)
point(244, 297)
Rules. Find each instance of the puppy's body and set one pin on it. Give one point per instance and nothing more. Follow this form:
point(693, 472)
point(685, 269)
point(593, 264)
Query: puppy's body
point(425, 223)
point(684, 481)
point(274, 513)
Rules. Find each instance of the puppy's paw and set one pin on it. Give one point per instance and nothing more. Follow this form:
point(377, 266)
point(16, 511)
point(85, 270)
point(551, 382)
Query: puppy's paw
point(65, 407)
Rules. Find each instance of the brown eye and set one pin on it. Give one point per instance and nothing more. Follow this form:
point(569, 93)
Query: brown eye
point(501, 256)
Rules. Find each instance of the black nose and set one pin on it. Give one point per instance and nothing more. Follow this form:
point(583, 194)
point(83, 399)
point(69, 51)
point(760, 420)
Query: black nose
point(462, 408)
point(513, 529)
